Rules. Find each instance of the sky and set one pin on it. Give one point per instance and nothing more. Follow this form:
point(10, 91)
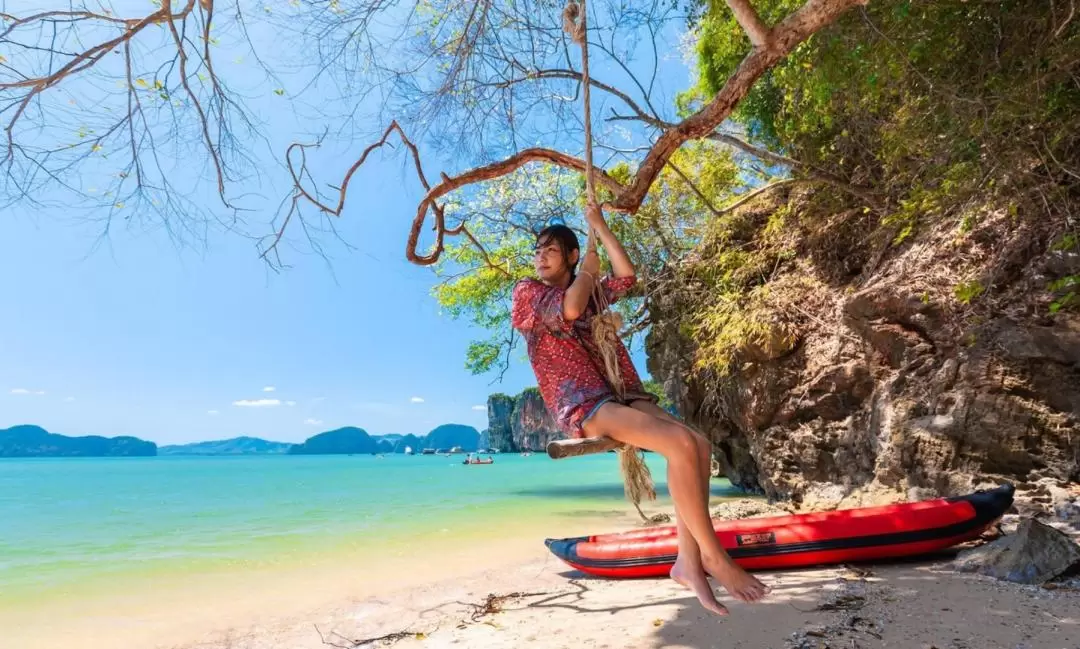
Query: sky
point(174, 344)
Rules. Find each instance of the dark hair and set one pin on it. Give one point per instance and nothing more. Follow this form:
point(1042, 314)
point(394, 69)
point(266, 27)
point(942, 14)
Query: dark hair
point(565, 238)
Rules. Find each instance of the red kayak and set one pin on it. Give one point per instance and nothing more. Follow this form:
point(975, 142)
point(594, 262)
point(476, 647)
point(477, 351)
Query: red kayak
point(801, 540)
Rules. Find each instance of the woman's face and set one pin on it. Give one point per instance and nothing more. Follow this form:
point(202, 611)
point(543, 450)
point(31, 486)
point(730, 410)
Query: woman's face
point(551, 264)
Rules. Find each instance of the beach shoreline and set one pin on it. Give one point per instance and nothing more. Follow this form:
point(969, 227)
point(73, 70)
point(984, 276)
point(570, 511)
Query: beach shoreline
point(197, 609)
point(161, 551)
point(511, 592)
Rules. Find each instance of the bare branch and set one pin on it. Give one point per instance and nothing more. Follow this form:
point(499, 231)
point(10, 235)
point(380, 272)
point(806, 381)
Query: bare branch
point(574, 75)
point(483, 251)
point(429, 202)
point(140, 179)
point(749, 196)
point(694, 188)
point(488, 172)
point(812, 172)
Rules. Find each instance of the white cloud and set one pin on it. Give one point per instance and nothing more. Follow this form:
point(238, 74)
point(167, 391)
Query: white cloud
point(25, 391)
point(417, 400)
point(69, 399)
point(290, 403)
point(211, 412)
point(479, 407)
point(269, 388)
point(313, 422)
point(256, 403)
point(318, 399)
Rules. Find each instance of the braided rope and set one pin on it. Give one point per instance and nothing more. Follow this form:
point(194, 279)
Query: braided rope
point(637, 480)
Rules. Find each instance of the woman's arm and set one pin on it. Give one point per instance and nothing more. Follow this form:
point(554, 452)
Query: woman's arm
point(621, 265)
point(580, 290)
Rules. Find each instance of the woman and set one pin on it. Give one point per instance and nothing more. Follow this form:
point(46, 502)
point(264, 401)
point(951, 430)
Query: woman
point(553, 313)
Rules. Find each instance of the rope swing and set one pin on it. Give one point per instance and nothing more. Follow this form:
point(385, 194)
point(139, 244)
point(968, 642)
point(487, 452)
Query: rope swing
point(637, 480)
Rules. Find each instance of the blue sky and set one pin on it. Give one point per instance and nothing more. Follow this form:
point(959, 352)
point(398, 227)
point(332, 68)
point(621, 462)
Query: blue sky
point(172, 344)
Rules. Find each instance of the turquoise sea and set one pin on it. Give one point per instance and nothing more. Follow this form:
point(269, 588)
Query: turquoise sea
point(77, 526)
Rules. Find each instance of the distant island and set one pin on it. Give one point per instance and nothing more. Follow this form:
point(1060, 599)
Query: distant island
point(35, 441)
point(234, 446)
point(357, 440)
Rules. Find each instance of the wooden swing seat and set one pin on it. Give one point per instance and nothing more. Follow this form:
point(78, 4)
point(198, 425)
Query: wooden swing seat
point(558, 449)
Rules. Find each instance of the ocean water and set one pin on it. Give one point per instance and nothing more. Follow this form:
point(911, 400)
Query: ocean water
point(74, 525)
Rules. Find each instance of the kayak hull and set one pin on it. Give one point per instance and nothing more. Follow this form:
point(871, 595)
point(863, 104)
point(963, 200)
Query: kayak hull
point(797, 541)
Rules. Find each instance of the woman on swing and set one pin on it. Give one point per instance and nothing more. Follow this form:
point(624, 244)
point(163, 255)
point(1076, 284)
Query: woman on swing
point(553, 313)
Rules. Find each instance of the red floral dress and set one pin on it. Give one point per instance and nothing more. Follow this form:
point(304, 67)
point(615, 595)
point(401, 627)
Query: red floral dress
point(563, 355)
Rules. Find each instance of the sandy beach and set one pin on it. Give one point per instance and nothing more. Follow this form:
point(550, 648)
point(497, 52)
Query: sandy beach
point(515, 594)
point(543, 604)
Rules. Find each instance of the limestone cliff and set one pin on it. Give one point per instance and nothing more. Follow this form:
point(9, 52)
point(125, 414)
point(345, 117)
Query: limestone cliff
point(500, 431)
point(520, 423)
point(874, 377)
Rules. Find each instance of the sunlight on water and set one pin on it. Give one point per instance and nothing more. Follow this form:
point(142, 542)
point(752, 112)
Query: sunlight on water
point(86, 523)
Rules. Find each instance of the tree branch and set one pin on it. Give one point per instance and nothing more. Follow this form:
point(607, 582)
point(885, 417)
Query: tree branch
point(770, 46)
point(794, 29)
point(574, 75)
point(749, 196)
point(694, 188)
point(811, 172)
point(107, 33)
point(429, 202)
point(483, 251)
point(488, 172)
point(751, 23)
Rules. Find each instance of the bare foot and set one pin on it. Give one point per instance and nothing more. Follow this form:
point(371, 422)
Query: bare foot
point(694, 578)
point(742, 585)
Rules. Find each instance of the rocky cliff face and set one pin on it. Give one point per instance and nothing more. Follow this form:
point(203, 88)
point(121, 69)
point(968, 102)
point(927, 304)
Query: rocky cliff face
point(520, 423)
point(892, 388)
point(532, 425)
point(500, 430)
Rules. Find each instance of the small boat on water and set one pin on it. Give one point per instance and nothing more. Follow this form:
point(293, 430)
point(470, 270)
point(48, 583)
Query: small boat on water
point(801, 540)
point(471, 459)
point(408, 450)
point(428, 451)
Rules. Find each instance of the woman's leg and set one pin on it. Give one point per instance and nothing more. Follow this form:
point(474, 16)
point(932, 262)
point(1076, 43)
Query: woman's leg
point(685, 480)
point(688, 570)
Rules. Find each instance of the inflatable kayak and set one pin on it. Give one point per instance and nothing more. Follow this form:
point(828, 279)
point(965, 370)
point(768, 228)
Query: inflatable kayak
point(800, 540)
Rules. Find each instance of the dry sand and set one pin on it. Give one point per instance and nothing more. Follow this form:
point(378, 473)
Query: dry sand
point(543, 603)
point(910, 605)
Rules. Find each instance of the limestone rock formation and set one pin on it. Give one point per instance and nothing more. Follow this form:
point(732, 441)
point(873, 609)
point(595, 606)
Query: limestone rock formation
point(520, 423)
point(891, 389)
